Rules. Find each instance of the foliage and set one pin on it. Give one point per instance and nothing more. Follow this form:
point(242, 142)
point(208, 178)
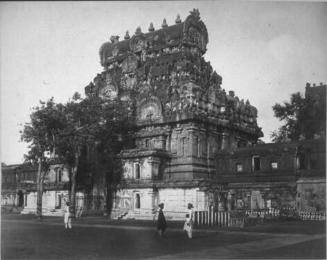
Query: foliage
point(303, 118)
point(46, 121)
point(85, 134)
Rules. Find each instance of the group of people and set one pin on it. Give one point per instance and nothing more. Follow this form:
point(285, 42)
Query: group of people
point(188, 224)
point(161, 223)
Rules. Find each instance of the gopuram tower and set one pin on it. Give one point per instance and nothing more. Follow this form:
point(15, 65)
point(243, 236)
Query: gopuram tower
point(183, 117)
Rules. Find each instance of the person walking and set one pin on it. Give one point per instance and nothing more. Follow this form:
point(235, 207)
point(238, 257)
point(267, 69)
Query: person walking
point(188, 225)
point(67, 216)
point(161, 223)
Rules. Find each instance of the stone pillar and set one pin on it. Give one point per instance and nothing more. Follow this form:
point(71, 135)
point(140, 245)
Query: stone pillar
point(162, 143)
point(224, 141)
point(154, 200)
point(229, 201)
point(154, 167)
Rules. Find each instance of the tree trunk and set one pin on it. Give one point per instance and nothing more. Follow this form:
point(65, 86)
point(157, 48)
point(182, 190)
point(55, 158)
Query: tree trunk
point(109, 199)
point(73, 182)
point(39, 188)
point(105, 195)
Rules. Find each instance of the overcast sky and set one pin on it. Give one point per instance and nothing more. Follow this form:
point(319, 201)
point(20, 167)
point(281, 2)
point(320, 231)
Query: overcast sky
point(265, 51)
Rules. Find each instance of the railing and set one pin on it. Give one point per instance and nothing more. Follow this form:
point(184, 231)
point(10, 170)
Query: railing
point(211, 217)
point(240, 218)
point(263, 213)
point(312, 215)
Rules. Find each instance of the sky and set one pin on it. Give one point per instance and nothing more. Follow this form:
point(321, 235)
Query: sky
point(264, 51)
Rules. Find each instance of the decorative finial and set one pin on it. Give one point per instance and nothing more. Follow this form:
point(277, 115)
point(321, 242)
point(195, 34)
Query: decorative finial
point(127, 37)
point(151, 28)
point(195, 13)
point(178, 19)
point(114, 38)
point(138, 30)
point(164, 23)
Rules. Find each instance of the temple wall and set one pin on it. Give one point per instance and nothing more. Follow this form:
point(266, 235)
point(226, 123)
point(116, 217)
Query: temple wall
point(143, 203)
point(52, 202)
point(143, 168)
point(8, 199)
point(311, 194)
point(260, 196)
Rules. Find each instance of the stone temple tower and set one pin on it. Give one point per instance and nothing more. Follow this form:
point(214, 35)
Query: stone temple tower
point(183, 116)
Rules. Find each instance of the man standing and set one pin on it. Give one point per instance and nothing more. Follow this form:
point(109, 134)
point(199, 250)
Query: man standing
point(188, 225)
point(161, 224)
point(67, 216)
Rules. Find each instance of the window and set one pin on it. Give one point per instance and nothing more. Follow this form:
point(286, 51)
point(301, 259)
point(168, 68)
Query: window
point(301, 161)
point(58, 201)
point(137, 201)
point(255, 163)
point(308, 194)
point(198, 146)
point(239, 167)
point(137, 171)
point(274, 165)
point(58, 175)
point(183, 147)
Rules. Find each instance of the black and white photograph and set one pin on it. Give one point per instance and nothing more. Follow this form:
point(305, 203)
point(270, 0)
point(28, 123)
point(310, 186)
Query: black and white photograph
point(163, 129)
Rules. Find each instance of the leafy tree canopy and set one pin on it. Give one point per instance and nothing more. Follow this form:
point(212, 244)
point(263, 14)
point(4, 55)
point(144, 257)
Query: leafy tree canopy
point(304, 118)
point(85, 134)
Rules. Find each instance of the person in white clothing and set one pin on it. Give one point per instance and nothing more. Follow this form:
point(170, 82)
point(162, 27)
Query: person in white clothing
point(67, 216)
point(188, 225)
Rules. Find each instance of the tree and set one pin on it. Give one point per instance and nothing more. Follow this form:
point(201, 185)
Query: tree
point(89, 131)
point(303, 117)
point(114, 135)
point(46, 122)
point(100, 128)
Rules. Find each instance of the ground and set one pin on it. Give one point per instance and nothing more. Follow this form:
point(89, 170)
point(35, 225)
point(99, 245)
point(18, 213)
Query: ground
point(24, 237)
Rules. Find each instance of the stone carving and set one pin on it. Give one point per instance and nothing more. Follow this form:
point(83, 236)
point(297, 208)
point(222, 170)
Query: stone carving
point(169, 65)
point(109, 90)
point(149, 109)
point(138, 43)
point(129, 64)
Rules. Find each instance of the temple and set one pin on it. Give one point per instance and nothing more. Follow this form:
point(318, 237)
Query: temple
point(184, 117)
point(194, 143)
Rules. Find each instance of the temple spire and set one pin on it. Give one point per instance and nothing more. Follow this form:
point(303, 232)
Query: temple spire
point(138, 30)
point(178, 19)
point(151, 28)
point(164, 23)
point(126, 37)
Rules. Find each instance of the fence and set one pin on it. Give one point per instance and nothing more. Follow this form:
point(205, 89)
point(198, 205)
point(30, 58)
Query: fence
point(312, 215)
point(211, 217)
point(263, 213)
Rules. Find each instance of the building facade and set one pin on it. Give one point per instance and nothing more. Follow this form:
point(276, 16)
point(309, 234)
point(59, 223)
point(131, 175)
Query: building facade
point(194, 143)
point(19, 190)
point(279, 175)
point(184, 117)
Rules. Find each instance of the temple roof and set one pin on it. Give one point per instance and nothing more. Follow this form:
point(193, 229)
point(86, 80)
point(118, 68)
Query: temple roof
point(154, 40)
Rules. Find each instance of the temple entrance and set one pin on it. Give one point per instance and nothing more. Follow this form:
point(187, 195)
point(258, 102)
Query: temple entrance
point(20, 195)
point(220, 200)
